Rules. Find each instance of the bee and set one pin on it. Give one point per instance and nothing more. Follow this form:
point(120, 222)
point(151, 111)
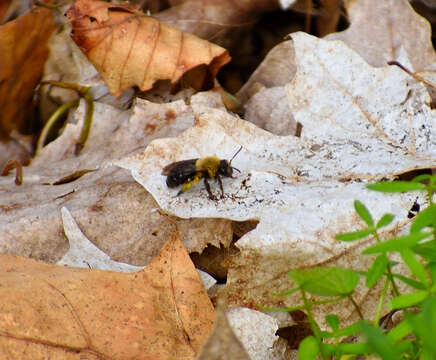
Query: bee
point(190, 172)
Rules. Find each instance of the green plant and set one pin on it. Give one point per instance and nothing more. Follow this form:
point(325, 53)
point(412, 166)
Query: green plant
point(414, 337)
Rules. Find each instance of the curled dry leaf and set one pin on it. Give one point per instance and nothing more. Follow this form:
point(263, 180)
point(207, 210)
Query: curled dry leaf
point(112, 210)
point(57, 312)
point(356, 128)
point(24, 50)
point(129, 48)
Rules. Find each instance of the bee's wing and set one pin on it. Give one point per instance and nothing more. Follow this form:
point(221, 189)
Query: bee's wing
point(183, 166)
point(179, 172)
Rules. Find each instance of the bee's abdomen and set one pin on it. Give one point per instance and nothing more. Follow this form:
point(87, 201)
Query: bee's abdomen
point(174, 180)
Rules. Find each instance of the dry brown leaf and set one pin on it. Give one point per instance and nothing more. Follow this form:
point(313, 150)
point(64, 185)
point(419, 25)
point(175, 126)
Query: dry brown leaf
point(57, 312)
point(23, 49)
point(129, 48)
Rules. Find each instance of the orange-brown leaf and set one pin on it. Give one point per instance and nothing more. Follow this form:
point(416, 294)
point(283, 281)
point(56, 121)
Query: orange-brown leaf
point(48, 311)
point(129, 48)
point(24, 50)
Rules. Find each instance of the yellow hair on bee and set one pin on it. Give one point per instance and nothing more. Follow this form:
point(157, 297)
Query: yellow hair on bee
point(210, 164)
point(188, 185)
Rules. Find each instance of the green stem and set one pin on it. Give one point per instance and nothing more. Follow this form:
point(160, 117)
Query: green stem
point(380, 302)
point(389, 269)
point(83, 92)
point(86, 123)
point(313, 324)
point(51, 122)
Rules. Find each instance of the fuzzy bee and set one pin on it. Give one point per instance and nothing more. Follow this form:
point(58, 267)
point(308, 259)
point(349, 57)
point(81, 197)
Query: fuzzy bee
point(190, 172)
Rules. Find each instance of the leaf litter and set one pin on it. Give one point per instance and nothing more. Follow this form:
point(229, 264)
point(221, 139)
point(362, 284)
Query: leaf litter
point(301, 190)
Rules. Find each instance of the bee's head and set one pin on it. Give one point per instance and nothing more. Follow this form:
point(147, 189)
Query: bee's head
point(225, 169)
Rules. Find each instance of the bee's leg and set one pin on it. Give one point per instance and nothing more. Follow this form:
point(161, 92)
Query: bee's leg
point(221, 185)
point(206, 184)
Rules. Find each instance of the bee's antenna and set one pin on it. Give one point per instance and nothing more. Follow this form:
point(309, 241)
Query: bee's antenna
point(237, 152)
point(239, 171)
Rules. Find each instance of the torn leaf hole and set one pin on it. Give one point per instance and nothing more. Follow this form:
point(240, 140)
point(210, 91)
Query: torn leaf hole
point(211, 261)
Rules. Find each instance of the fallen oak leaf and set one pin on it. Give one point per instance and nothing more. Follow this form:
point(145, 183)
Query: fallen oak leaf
point(129, 48)
point(57, 312)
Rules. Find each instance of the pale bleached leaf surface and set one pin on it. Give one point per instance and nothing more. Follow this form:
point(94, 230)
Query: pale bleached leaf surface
point(368, 124)
point(208, 281)
point(255, 330)
point(364, 109)
point(112, 210)
point(379, 29)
